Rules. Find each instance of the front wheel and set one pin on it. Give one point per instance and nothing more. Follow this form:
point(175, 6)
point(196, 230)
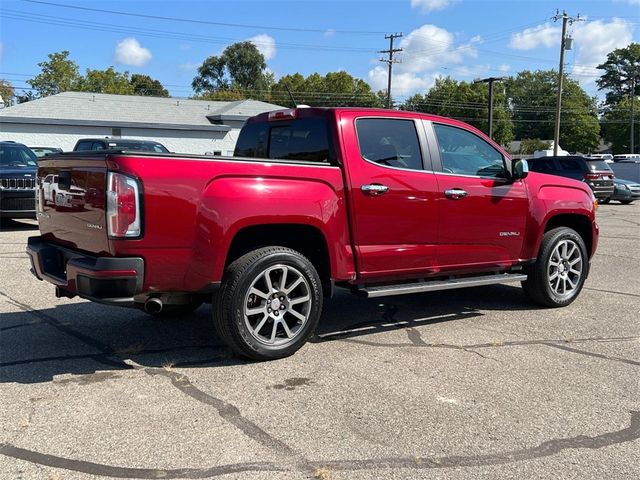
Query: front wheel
point(269, 303)
point(604, 200)
point(557, 276)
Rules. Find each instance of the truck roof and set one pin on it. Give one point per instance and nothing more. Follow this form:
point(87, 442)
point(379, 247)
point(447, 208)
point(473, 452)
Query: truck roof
point(304, 112)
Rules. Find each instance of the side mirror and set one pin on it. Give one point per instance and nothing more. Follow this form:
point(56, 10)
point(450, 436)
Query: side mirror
point(520, 169)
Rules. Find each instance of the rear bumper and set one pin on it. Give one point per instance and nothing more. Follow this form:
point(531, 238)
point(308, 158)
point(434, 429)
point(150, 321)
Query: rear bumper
point(110, 280)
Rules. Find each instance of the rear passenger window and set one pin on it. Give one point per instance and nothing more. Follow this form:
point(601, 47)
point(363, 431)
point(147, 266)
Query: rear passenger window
point(390, 142)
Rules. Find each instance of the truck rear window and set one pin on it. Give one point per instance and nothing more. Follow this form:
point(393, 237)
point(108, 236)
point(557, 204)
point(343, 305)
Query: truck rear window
point(305, 139)
point(598, 165)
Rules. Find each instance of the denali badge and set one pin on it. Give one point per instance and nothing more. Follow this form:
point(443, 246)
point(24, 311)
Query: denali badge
point(509, 234)
point(93, 225)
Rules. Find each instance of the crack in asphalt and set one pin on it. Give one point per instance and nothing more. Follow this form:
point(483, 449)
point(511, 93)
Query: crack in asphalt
point(612, 291)
point(227, 411)
point(417, 341)
point(544, 449)
point(108, 357)
point(593, 354)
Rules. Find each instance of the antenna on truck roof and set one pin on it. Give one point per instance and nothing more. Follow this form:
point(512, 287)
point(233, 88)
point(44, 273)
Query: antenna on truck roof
point(291, 96)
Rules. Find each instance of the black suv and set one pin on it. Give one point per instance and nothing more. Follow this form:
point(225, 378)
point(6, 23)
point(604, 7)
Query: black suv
point(18, 171)
point(119, 144)
point(594, 172)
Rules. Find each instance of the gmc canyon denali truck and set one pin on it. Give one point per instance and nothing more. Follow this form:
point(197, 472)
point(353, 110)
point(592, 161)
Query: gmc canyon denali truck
point(381, 202)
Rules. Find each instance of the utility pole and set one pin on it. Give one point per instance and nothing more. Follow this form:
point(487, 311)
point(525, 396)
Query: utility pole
point(490, 81)
point(390, 61)
point(563, 43)
point(633, 100)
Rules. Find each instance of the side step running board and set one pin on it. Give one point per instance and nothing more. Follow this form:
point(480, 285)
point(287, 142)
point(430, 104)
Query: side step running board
point(431, 286)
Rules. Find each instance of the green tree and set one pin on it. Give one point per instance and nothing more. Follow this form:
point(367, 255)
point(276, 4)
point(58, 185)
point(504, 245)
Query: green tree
point(59, 74)
point(241, 67)
point(530, 145)
point(466, 101)
point(335, 89)
point(532, 99)
point(618, 128)
point(105, 81)
point(6, 92)
point(622, 64)
point(146, 86)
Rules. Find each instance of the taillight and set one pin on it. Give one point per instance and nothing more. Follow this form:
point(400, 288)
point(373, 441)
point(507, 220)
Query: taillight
point(591, 176)
point(123, 206)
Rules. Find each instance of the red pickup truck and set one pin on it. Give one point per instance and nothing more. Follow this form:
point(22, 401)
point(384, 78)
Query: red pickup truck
point(381, 202)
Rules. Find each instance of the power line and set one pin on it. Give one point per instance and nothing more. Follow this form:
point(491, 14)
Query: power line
point(203, 22)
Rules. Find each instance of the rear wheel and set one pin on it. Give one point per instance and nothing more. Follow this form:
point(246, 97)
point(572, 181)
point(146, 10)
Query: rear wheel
point(269, 303)
point(626, 202)
point(604, 200)
point(557, 277)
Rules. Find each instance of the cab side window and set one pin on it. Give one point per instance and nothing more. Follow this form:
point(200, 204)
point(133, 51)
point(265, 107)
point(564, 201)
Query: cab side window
point(464, 153)
point(389, 141)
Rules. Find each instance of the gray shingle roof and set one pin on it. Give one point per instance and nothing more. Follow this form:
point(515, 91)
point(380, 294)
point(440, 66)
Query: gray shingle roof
point(99, 108)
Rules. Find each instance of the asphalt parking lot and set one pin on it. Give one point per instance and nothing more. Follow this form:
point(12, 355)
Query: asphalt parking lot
point(475, 383)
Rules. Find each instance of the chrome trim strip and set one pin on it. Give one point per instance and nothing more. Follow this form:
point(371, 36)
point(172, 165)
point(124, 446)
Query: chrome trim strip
point(431, 286)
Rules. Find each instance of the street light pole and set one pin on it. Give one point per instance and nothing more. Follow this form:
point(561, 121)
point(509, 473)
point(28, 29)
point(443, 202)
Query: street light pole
point(490, 81)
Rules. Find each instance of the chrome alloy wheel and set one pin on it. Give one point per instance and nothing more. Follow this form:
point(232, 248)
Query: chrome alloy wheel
point(277, 305)
point(564, 269)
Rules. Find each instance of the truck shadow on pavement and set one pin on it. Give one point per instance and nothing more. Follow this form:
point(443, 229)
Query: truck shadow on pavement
point(85, 338)
point(9, 225)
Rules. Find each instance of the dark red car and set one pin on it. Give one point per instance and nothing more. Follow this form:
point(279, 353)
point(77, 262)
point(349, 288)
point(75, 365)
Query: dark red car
point(377, 201)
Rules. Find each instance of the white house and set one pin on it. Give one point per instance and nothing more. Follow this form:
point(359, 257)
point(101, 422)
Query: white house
point(183, 126)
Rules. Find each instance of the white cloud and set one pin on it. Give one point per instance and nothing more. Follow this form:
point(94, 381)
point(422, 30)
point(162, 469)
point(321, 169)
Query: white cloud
point(505, 67)
point(1, 50)
point(593, 41)
point(546, 35)
point(426, 6)
point(329, 33)
point(130, 52)
point(630, 2)
point(266, 44)
point(425, 51)
point(403, 84)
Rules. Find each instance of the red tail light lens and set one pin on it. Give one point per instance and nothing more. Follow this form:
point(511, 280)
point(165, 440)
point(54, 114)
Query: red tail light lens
point(591, 176)
point(283, 114)
point(123, 206)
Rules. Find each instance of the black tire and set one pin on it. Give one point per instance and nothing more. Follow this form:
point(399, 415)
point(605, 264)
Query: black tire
point(235, 300)
point(538, 284)
point(626, 202)
point(604, 200)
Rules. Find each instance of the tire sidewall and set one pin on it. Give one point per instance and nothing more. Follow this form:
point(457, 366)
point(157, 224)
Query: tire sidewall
point(242, 286)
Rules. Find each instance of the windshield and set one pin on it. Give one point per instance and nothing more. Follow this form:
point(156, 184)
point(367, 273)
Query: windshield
point(42, 151)
point(17, 156)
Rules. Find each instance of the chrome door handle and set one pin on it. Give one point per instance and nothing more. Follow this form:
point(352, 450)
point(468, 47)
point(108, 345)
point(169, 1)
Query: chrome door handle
point(374, 189)
point(455, 193)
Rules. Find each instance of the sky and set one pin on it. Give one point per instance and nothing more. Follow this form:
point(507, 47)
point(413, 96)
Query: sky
point(169, 39)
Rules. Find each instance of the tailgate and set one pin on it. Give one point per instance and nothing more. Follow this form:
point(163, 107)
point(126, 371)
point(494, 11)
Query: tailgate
point(71, 201)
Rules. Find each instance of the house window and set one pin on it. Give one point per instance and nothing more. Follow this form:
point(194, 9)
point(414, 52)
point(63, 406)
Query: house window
point(116, 132)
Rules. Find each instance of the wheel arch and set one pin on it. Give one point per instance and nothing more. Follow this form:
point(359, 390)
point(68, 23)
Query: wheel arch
point(580, 223)
point(305, 239)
